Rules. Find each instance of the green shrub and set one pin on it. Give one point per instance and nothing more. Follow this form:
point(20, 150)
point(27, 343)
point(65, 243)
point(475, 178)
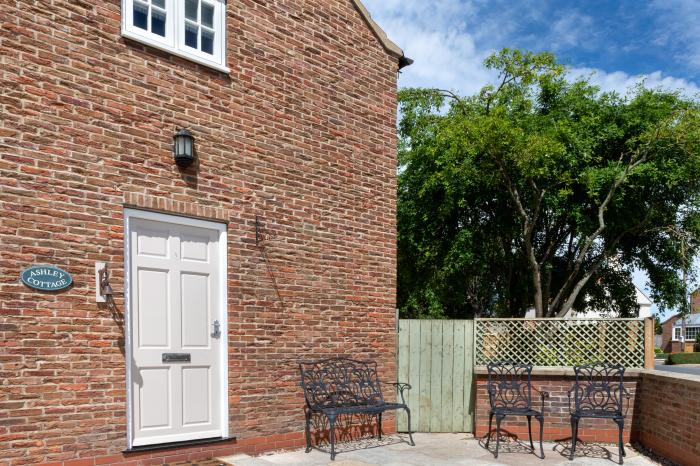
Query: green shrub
point(658, 350)
point(683, 358)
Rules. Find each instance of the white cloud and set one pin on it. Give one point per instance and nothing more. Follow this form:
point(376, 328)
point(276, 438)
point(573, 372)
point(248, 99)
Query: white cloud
point(572, 29)
point(678, 21)
point(434, 34)
point(621, 82)
point(449, 39)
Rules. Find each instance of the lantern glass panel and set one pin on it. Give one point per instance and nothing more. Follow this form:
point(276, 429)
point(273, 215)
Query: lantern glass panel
point(187, 146)
point(179, 149)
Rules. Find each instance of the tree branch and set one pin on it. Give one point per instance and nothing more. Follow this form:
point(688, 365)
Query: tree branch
point(636, 159)
point(507, 79)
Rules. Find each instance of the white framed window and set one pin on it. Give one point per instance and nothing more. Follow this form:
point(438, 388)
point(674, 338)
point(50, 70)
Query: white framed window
point(690, 333)
point(193, 29)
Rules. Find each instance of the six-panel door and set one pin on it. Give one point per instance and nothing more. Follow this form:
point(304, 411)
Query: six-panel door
point(175, 301)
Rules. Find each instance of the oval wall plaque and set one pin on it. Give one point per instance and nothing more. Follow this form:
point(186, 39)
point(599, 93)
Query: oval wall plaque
point(46, 278)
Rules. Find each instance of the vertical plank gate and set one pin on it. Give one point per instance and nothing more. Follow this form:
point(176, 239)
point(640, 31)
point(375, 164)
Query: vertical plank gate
point(436, 358)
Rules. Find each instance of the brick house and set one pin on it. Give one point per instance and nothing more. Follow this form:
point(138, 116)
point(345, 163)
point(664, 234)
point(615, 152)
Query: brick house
point(672, 328)
point(277, 243)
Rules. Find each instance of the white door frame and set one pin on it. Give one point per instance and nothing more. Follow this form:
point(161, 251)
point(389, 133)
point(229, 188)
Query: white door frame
point(130, 213)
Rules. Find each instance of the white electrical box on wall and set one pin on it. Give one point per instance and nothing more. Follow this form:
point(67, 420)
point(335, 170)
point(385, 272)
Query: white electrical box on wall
point(99, 297)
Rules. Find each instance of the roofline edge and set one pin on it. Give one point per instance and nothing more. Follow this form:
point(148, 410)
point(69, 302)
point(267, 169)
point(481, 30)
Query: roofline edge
point(387, 43)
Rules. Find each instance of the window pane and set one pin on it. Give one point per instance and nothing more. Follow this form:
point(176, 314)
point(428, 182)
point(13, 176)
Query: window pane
point(207, 15)
point(191, 9)
point(207, 42)
point(158, 22)
point(191, 35)
point(141, 15)
point(159, 3)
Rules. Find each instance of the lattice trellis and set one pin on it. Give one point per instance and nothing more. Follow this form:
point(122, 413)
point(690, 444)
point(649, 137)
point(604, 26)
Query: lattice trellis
point(560, 342)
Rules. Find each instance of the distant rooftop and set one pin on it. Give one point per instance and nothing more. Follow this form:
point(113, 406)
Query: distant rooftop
point(692, 319)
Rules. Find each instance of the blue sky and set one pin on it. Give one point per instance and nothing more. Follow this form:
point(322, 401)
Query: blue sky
point(616, 44)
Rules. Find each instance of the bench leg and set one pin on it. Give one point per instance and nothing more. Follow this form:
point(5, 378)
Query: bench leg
point(529, 431)
point(621, 427)
point(379, 425)
point(574, 434)
point(499, 418)
point(541, 420)
point(331, 421)
point(408, 415)
point(488, 436)
point(307, 431)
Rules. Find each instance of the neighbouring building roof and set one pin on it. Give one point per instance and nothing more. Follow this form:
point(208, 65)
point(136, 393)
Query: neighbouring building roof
point(642, 298)
point(669, 318)
point(692, 319)
point(387, 43)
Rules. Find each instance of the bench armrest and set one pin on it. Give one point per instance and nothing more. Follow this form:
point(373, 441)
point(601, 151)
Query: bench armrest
point(543, 396)
point(400, 387)
point(628, 396)
point(569, 394)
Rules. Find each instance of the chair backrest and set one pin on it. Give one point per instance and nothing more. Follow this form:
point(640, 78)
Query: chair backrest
point(339, 382)
point(599, 387)
point(510, 385)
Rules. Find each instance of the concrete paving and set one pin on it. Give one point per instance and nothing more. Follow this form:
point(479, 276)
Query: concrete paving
point(682, 369)
point(442, 450)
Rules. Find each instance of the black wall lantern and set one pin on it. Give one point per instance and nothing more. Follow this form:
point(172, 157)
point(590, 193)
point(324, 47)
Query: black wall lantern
point(183, 148)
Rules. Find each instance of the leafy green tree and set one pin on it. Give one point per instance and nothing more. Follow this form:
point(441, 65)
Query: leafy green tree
point(543, 192)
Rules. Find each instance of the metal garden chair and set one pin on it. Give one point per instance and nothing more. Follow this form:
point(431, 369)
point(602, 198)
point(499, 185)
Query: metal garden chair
point(510, 393)
point(597, 393)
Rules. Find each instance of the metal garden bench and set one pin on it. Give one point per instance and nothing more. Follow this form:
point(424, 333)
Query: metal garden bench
point(598, 392)
point(510, 393)
point(338, 386)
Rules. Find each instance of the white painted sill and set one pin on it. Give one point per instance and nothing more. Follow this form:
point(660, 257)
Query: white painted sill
point(210, 64)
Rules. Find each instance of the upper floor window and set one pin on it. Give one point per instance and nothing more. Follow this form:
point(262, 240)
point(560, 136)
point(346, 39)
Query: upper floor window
point(194, 29)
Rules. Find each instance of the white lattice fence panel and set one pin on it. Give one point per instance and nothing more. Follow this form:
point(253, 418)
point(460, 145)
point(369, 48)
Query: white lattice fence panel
point(560, 342)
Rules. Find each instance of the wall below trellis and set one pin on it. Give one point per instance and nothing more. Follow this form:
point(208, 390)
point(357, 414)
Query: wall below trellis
point(557, 427)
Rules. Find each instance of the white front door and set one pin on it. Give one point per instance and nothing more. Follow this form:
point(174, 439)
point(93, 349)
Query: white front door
point(177, 326)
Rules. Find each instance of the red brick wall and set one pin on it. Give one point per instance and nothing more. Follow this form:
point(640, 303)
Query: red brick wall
point(669, 422)
point(557, 426)
point(667, 345)
point(301, 133)
point(695, 302)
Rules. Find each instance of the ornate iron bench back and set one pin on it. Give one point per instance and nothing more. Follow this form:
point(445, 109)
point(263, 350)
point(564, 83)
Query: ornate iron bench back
point(599, 388)
point(510, 385)
point(338, 382)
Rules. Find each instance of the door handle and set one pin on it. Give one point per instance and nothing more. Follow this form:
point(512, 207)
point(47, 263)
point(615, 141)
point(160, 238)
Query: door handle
point(217, 329)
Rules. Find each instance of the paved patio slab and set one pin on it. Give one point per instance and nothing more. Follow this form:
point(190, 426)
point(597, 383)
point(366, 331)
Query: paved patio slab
point(441, 450)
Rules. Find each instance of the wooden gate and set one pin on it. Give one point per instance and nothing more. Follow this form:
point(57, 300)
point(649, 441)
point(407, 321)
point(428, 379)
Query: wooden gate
point(437, 358)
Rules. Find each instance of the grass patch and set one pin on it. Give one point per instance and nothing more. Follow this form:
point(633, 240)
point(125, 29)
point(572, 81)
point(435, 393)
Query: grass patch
point(683, 358)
